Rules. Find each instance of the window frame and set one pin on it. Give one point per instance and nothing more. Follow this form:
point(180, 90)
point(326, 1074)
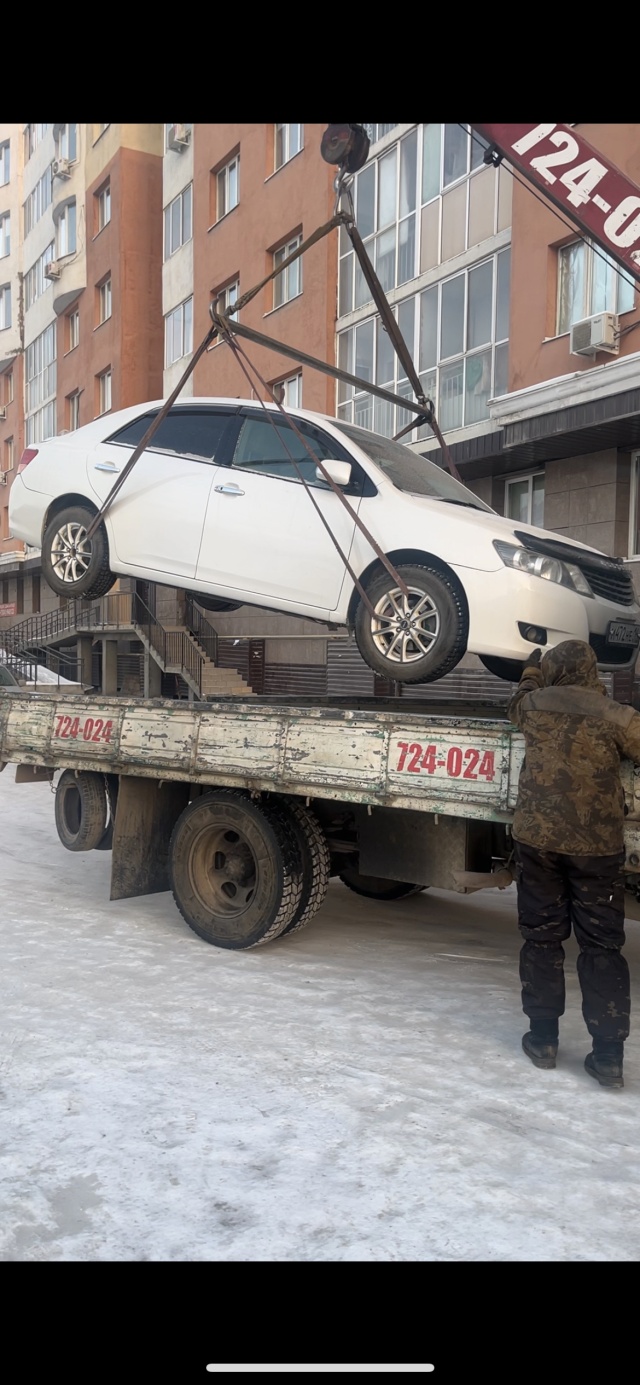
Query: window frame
point(103, 201)
point(168, 222)
point(6, 319)
point(516, 480)
point(590, 255)
point(179, 308)
point(223, 174)
point(5, 236)
point(286, 248)
point(102, 377)
point(105, 299)
point(5, 163)
point(286, 143)
point(64, 220)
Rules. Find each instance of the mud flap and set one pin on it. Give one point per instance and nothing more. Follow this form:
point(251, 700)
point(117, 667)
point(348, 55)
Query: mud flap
point(146, 814)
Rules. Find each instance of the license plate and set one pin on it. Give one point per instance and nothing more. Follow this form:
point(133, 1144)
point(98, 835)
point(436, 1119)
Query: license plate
point(623, 632)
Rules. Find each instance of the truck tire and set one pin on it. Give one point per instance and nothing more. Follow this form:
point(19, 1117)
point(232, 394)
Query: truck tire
point(81, 810)
point(72, 566)
point(236, 869)
point(314, 850)
point(112, 784)
point(374, 888)
point(418, 643)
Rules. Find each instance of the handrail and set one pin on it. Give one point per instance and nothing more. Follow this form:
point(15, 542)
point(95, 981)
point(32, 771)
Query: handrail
point(202, 628)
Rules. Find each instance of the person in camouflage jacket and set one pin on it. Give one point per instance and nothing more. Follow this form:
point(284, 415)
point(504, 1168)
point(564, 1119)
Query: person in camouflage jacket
point(568, 831)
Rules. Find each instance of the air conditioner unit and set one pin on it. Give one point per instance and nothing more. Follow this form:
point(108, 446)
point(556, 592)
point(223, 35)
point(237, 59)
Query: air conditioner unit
point(61, 168)
point(53, 270)
point(178, 137)
point(599, 333)
point(3, 411)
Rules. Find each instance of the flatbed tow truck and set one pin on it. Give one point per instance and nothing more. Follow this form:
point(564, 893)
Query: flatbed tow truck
point(245, 809)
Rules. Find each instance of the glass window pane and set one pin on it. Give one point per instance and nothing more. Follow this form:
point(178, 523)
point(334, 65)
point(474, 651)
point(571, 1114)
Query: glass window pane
point(387, 189)
point(222, 193)
point(452, 317)
point(186, 213)
point(431, 140)
point(345, 362)
point(456, 142)
point(404, 416)
point(188, 325)
point(280, 145)
point(428, 382)
point(451, 387)
point(571, 304)
point(408, 156)
point(478, 146)
point(626, 293)
point(428, 328)
point(477, 387)
point(295, 142)
point(479, 305)
point(72, 142)
point(364, 351)
point(175, 224)
point(366, 201)
point(502, 295)
point(345, 293)
point(537, 501)
point(362, 292)
point(406, 322)
point(233, 184)
point(383, 417)
point(385, 356)
point(518, 501)
point(294, 277)
point(72, 227)
point(386, 258)
point(603, 284)
point(363, 411)
point(407, 249)
point(501, 380)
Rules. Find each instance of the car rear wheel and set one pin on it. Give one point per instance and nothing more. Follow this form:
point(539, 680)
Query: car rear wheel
point(74, 565)
point(416, 639)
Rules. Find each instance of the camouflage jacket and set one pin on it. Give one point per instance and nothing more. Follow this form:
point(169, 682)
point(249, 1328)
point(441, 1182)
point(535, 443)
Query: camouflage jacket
point(570, 796)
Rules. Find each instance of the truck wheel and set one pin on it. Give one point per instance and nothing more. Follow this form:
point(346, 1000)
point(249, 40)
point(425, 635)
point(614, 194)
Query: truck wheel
point(81, 810)
point(235, 869)
point(314, 850)
point(72, 564)
point(374, 888)
point(417, 640)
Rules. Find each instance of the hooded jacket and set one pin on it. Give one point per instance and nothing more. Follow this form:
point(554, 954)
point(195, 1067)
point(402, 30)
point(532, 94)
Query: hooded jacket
point(570, 796)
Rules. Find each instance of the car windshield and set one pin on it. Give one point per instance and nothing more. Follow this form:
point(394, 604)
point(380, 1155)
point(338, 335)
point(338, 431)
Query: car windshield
point(408, 470)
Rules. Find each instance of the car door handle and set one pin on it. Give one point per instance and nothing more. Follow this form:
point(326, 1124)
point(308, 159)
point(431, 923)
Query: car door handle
point(228, 490)
point(106, 466)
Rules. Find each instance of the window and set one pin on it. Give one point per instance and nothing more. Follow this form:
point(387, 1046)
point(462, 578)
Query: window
point(104, 301)
point(288, 284)
point(38, 200)
point(104, 391)
point(589, 282)
point(226, 297)
point(5, 234)
point(5, 162)
point(73, 329)
point(8, 456)
point(228, 188)
point(524, 499)
point(289, 392)
point(73, 411)
point(5, 306)
point(8, 391)
point(178, 332)
point(187, 431)
point(103, 199)
point(41, 386)
point(288, 141)
point(68, 142)
point(457, 332)
point(33, 134)
point(375, 132)
point(385, 201)
point(66, 232)
point(265, 448)
point(409, 471)
point(177, 221)
point(35, 281)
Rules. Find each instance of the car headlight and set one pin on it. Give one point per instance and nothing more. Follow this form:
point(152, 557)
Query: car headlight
point(537, 565)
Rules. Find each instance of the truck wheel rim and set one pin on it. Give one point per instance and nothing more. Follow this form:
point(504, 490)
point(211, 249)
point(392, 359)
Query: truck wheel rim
point(223, 871)
point(71, 552)
point(405, 629)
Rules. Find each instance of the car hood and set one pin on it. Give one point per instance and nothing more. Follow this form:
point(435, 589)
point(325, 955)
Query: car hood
point(492, 525)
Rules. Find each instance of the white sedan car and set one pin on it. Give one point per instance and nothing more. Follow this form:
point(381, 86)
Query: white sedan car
point(215, 505)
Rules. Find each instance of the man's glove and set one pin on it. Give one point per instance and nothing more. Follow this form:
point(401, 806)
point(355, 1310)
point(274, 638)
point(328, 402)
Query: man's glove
point(533, 661)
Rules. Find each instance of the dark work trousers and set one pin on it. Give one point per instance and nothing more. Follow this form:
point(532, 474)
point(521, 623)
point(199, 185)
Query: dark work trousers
point(554, 892)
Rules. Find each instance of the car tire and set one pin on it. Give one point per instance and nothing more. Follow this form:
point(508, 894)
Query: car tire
point(89, 574)
point(214, 603)
point(437, 643)
point(510, 670)
point(371, 887)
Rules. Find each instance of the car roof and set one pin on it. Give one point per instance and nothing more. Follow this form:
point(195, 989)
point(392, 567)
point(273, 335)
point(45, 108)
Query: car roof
point(103, 427)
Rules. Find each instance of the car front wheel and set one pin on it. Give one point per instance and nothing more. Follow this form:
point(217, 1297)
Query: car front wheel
point(74, 565)
point(414, 639)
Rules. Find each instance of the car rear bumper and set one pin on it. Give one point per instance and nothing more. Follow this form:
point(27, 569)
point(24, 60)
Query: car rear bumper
point(27, 509)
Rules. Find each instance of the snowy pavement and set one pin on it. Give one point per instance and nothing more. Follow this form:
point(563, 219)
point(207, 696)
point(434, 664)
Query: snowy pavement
point(355, 1093)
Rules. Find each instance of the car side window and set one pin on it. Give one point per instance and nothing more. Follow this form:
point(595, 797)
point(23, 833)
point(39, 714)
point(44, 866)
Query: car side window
point(187, 432)
point(267, 449)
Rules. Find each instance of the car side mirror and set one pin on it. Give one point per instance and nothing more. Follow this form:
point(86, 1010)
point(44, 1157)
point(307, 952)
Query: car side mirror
point(340, 472)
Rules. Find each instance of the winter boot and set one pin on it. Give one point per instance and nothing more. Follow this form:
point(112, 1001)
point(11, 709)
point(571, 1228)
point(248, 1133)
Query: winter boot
point(605, 1063)
point(541, 1043)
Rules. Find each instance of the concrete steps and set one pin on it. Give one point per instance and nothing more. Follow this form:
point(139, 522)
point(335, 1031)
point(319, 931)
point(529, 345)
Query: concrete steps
point(216, 682)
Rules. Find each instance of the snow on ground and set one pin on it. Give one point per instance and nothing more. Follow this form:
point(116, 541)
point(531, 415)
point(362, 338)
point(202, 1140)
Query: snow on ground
point(356, 1093)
